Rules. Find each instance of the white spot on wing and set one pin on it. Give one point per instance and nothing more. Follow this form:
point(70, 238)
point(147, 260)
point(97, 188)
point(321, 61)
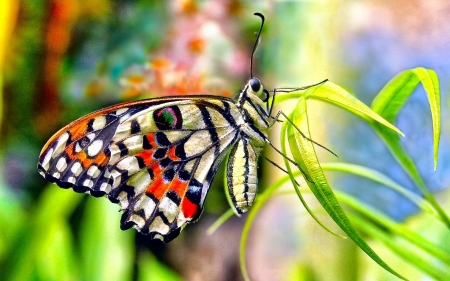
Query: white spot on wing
point(123, 118)
point(168, 208)
point(140, 181)
point(122, 131)
point(134, 144)
point(46, 161)
point(158, 236)
point(116, 176)
point(138, 220)
point(95, 147)
point(147, 204)
point(77, 147)
point(56, 175)
point(61, 143)
point(76, 168)
point(72, 180)
point(159, 226)
point(88, 183)
point(123, 198)
point(105, 187)
point(91, 136)
point(130, 164)
point(181, 219)
point(99, 123)
point(61, 165)
point(93, 171)
point(122, 110)
point(115, 153)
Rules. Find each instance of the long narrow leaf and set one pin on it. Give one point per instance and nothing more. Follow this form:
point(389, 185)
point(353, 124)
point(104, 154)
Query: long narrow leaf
point(419, 261)
point(304, 154)
point(294, 183)
point(382, 179)
point(388, 103)
point(390, 226)
point(397, 91)
point(332, 93)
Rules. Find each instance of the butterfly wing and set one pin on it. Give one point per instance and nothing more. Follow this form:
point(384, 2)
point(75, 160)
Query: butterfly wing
point(156, 158)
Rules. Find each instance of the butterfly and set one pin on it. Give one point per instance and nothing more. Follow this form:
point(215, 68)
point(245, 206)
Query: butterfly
point(157, 158)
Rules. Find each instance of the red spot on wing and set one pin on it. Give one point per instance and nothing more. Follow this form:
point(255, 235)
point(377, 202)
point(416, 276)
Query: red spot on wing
point(157, 188)
point(188, 208)
point(147, 156)
point(151, 139)
point(172, 155)
point(156, 168)
point(179, 187)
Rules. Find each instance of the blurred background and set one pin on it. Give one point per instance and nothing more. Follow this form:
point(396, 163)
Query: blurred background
point(61, 59)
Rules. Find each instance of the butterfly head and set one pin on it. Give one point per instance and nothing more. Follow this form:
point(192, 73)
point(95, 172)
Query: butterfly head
point(255, 87)
point(254, 90)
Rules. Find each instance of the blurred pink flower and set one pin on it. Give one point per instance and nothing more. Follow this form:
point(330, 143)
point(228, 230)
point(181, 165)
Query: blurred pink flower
point(200, 53)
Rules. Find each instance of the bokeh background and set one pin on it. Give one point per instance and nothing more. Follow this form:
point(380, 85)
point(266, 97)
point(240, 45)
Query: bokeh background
point(61, 59)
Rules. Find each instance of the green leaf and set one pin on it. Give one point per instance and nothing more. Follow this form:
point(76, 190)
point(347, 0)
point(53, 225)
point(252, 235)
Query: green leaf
point(386, 224)
point(294, 183)
point(151, 269)
point(397, 91)
point(401, 249)
point(382, 179)
point(388, 104)
point(103, 244)
point(54, 207)
point(305, 156)
point(332, 93)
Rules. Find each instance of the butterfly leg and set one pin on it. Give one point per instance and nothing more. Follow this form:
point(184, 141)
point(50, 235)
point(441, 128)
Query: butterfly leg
point(275, 119)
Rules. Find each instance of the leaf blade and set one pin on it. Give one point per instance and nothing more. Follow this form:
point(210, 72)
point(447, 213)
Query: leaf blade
point(304, 154)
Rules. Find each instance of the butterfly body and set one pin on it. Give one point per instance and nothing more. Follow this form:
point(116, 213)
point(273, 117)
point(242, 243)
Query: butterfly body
point(158, 157)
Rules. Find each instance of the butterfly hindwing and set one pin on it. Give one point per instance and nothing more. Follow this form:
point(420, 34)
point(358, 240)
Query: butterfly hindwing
point(156, 158)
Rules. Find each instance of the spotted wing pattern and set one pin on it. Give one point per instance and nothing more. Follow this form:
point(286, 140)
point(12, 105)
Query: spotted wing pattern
point(156, 158)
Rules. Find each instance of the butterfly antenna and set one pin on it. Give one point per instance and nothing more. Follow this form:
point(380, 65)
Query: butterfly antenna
point(258, 37)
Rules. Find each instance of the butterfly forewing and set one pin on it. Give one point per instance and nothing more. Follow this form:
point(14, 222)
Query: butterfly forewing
point(156, 158)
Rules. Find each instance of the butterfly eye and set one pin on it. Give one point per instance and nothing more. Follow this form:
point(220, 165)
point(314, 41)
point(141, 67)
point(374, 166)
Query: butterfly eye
point(266, 97)
point(255, 84)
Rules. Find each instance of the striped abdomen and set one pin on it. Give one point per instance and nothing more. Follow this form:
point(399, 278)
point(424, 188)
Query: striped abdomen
point(242, 178)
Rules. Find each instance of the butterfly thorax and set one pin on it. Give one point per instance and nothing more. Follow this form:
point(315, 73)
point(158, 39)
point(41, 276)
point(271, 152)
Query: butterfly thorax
point(242, 178)
point(254, 113)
